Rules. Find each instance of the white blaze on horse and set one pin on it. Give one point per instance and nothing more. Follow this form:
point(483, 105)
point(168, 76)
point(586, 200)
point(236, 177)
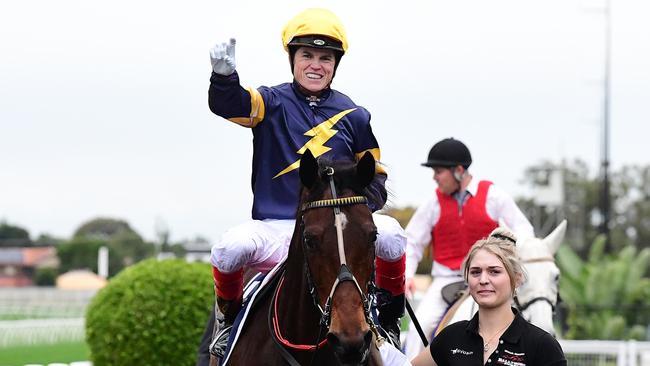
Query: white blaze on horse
point(537, 296)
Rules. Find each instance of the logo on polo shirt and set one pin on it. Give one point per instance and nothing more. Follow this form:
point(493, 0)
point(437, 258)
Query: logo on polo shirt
point(461, 351)
point(510, 358)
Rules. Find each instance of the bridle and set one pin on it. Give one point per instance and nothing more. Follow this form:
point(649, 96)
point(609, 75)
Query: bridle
point(344, 275)
point(528, 303)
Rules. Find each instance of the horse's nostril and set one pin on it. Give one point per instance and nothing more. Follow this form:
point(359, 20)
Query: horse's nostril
point(353, 351)
point(333, 340)
point(367, 338)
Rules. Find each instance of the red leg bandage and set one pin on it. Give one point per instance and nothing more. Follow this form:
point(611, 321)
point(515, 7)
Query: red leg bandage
point(229, 286)
point(390, 275)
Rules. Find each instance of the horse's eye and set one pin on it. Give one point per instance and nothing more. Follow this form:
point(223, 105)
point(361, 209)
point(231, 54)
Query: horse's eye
point(557, 278)
point(373, 237)
point(311, 241)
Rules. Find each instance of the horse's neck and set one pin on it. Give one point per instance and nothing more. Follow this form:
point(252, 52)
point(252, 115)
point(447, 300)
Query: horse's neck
point(295, 304)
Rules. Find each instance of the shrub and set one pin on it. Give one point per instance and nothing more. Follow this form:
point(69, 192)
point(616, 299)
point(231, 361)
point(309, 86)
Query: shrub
point(152, 313)
point(45, 276)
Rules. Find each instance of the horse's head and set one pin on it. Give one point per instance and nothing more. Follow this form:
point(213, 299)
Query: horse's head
point(338, 242)
point(537, 296)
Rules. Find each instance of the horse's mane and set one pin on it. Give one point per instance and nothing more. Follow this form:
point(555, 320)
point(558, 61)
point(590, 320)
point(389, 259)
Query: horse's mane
point(345, 178)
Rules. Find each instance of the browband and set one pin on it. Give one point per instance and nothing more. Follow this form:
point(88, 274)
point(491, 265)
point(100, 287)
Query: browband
point(335, 202)
point(503, 237)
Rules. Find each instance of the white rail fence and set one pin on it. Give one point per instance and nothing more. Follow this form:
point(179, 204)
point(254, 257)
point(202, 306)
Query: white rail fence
point(78, 363)
point(579, 353)
point(43, 302)
point(41, 331)
point(606, 353)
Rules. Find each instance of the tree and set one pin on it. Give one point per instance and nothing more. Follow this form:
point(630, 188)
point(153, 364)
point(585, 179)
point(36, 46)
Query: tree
point(13, 236)
point(45, 240)
point(130, 247)
point(103, 228)
point(630, 197)
point(125, 246)
point(631, 218)
point(81, 253)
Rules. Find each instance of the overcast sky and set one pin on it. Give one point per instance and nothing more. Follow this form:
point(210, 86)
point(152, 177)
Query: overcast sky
point(103, 104)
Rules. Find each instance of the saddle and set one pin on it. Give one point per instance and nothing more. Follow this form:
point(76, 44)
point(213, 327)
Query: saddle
point(451, 311)
point(258, 288)
point(453, 291)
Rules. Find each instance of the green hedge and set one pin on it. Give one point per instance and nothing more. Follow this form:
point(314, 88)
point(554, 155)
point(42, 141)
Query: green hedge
point(152, 313)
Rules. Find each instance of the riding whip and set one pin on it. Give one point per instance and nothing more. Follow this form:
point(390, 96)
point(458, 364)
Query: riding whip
point(416, 323)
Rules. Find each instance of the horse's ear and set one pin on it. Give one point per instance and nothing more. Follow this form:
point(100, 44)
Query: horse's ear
point(554, 239)
point(366, 169)
point(308, 169)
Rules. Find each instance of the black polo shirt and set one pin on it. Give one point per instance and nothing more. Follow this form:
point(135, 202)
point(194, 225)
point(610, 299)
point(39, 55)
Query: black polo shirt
point(522, 344)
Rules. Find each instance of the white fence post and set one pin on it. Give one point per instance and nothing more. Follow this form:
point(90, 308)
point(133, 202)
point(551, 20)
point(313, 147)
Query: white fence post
point(645, 358)
point(632, 353)
point(621, 359)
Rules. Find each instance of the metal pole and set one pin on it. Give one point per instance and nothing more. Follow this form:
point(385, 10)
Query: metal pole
point(605, 204)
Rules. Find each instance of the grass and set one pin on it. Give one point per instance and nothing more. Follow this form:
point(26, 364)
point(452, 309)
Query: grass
point(44, 353)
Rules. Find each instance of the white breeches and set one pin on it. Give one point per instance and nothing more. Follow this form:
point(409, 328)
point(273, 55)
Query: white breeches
point(261, 244)
point(429, 313)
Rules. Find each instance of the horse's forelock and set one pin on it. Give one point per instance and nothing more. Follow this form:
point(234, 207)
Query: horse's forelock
point(345, 177)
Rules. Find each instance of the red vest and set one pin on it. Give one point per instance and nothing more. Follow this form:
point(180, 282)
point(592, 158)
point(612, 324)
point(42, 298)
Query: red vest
point(455, 232)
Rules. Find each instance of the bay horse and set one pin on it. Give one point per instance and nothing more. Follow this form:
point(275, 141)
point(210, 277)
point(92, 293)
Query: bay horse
point(319, 311)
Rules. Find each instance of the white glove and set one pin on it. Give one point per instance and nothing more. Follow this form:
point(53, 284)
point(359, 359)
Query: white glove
point(222, 57)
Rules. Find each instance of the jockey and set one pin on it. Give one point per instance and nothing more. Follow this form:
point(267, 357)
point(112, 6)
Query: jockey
point(462, 211)
point(286, 120)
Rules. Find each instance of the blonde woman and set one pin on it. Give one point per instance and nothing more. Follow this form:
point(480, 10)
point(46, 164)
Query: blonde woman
point(497, 334)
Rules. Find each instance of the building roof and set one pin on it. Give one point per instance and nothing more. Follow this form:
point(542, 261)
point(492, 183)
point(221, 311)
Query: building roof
point(80, 280)
point(29, 257)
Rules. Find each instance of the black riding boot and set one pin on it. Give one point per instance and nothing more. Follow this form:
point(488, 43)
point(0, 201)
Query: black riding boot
point(391, 309)
point(225, 314)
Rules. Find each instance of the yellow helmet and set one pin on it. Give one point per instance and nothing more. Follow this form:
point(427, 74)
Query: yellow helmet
point(315, 27)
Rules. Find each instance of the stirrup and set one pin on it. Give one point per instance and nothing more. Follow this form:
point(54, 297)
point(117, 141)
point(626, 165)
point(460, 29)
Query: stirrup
point(219, 343)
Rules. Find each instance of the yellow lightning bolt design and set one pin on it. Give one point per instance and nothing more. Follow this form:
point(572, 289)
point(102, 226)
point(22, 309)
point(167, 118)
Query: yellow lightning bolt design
point(320, 134)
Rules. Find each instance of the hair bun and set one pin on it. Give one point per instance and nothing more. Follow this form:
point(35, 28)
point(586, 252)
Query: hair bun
point(503, 234)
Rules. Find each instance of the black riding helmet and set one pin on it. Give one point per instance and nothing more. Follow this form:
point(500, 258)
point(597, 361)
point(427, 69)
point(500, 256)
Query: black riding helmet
point(449, 153)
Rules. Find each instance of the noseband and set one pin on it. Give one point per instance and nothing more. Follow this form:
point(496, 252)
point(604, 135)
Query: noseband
point(528, 303)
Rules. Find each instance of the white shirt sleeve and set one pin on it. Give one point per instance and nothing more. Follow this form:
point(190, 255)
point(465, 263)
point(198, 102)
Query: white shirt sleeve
point(418, 233)
point(501, 207)
point(391, 356)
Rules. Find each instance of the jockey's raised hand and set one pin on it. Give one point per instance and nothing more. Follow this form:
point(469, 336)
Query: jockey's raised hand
point(222, 56)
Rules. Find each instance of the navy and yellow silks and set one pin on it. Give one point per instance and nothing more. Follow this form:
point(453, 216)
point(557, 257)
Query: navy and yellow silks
point(284, 125)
